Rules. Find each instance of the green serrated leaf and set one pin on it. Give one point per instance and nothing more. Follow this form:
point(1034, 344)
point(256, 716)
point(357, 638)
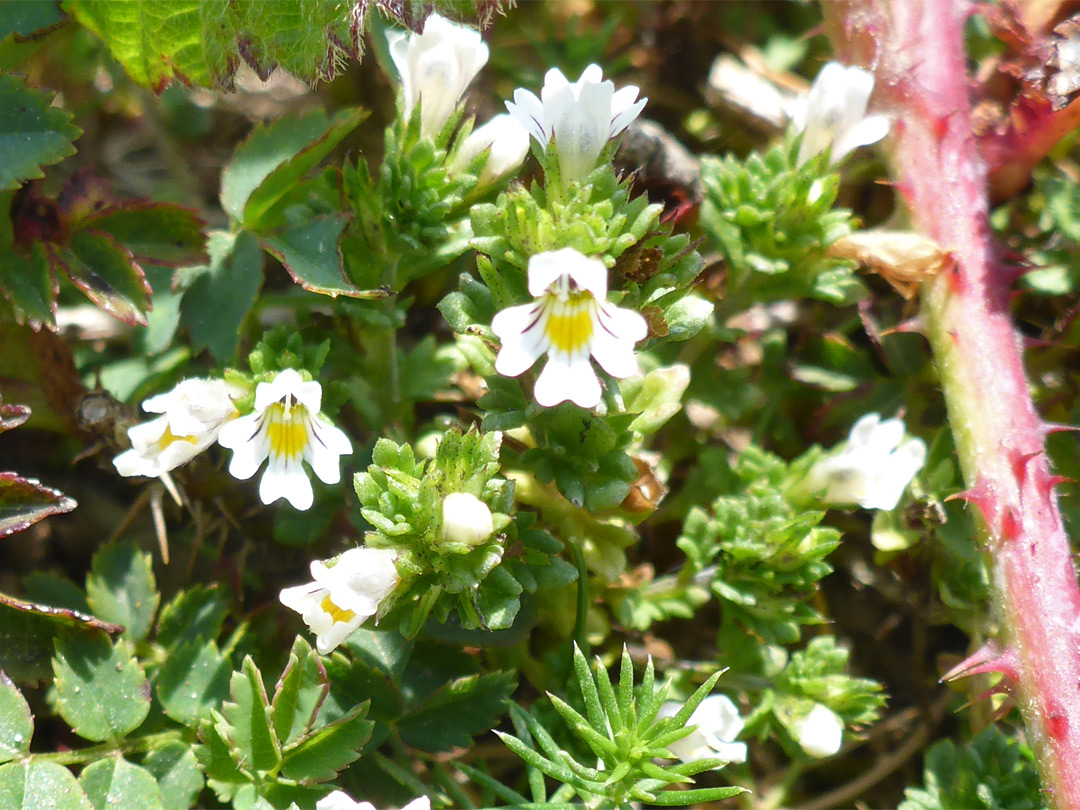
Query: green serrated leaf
point(114, 782)
point(27, 17)
point(220, 297)
point(178, 775)
point(450, 717)
point(292, 169)
point(101, 690)
point(203, 41)
point(23, 502)
point(194, 614)
point(312, 256)
point(33, 133)
point(248, 721)
point(275, 156)
point(34, 785)
point(300, 693)
point(108, 275)
point(321, 756)
point(120, 588)
point(16, 721)
point(193, 679)
point(29, 286)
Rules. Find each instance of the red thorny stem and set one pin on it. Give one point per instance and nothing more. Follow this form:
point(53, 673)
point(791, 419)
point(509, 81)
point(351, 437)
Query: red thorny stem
point(916, 48)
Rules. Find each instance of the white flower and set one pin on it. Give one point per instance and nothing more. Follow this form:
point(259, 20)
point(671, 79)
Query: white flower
point(436, 67)
point(465, 519)
point(581, 117)
point(871, 469)
point(340, 800)
point(820, 732)
point(286, 427)
point(569, 319)
point(344, 595)
point(504, 139)
point(193, 413)
point(718, 724)
point(833, 113)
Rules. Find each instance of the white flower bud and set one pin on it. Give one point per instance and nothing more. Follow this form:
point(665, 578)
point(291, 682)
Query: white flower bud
point(820, 732)
point(505, 140)
point(436, 67)
point(465, 519)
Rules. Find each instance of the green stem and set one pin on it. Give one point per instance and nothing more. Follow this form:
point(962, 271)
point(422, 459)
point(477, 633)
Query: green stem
point(134, 745)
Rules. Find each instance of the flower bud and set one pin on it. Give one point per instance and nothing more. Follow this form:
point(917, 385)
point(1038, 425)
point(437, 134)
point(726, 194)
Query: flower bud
point(505, 140)
point(820, 732)
point(465, 519)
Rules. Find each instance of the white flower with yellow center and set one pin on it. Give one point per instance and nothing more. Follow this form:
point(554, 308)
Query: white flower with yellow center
point(344, 595)
point(718, 724)
point(286, 428)
point(872, 468)
point(833, 114)
point(192, 415)
point(436, 67)
point(582, 117)
point(570, 319)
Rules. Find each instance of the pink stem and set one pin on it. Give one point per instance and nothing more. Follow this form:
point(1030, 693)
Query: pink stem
point(916, 48)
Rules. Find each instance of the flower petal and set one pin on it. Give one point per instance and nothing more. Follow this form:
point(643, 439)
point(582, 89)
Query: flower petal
point(566, 378)
point(326, 444)
point(246, 437)
point(521, 330)
point(285, 478)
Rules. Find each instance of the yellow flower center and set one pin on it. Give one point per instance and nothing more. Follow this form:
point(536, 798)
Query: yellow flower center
point(570, 323)
point(168, 437)
point(337, 614)
point(287, 429)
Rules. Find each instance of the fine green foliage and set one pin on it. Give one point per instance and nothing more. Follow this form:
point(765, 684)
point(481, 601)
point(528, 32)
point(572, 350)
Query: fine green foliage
point(402, 499)
point(759, 555)
point(990, 771)
point(32, 132)
point(772, 220)
point(622, 729)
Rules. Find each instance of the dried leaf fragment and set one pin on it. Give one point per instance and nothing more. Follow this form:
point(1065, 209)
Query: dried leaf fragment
point(905, 259)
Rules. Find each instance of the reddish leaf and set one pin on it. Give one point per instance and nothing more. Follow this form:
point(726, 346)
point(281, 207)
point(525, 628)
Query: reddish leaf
point(11, 416)
point(28, 632)
point(24, 501)
point(108, 274)
point(161, 233)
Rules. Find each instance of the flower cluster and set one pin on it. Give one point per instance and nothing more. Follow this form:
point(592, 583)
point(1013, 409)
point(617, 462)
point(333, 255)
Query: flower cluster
point(435, 68)
point(340, 800)
point(285, 427)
